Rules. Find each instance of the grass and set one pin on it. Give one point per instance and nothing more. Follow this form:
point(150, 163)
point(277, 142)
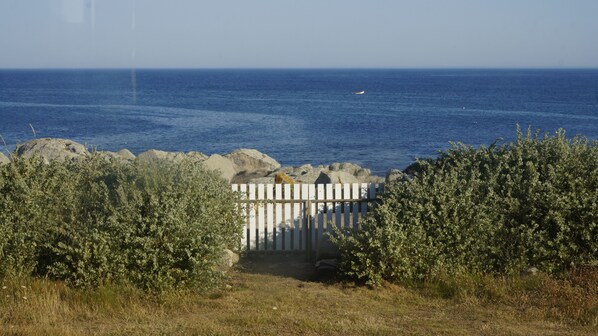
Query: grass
point(275, 296)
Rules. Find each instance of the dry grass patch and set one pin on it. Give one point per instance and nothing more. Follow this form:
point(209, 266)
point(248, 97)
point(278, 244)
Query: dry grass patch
point(278, 297)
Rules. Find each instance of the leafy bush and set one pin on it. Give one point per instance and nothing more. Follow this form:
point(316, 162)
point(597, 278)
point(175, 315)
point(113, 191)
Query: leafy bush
point(154, 226)
point(497, 209)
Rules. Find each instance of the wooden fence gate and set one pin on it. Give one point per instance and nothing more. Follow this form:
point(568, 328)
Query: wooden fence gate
point(283, 217)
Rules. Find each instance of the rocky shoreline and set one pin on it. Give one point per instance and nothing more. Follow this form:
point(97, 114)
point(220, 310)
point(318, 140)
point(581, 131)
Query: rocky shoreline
point(240, 166)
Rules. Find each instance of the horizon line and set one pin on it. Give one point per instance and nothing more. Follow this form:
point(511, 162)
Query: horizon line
point(306, 68)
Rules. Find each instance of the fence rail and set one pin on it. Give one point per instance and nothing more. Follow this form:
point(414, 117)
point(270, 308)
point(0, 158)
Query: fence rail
point(283, 217)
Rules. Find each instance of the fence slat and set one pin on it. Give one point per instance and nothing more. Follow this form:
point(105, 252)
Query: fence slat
point(278, 222)
point(297, 218)
point(245, 213)
point(338, 194)
point(364, 205)
point(320, 216)
point(356, 195)
point(312, 213)
point(347, 205)
point(329, 207)
point(288, 219)
point(251, 235)
point(261, 236)
point(305, 233)
point(372, 190)
point(270, 234)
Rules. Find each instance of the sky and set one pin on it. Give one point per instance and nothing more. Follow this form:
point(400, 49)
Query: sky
point(298, 33)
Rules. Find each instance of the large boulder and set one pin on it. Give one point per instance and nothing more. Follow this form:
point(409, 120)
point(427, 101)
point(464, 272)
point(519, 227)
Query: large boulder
point(250, 160)
point(346, 172)
point(126, 154)
point(219, 163)
point(305, 173)
point(123, 155)
point(347, 167)
point(335, 177)
point(263, 180)
point(362, 175)
point(196, 156)
point(53, 149)
point(3, 159)
point(249, 176)
point(153, 155)
point(374, 179)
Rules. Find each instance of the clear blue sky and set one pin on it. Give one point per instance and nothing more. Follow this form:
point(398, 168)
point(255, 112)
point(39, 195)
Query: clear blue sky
point(300, 33)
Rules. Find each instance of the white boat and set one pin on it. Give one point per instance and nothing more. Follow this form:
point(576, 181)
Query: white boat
point(359, 92)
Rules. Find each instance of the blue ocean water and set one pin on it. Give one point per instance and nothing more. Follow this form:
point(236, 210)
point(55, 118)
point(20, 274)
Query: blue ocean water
point(296, 116)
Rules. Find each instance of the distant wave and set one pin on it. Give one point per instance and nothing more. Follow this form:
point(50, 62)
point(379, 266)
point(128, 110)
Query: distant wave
point(180, 111)
point(470, 112)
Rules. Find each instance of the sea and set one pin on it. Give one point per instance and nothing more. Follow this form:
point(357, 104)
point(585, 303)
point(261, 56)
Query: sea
point(297, 116)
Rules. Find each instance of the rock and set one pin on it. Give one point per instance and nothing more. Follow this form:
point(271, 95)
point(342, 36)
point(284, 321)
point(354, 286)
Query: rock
point(153, 155)
point(246, 176)
point(336, 177)
point(302, 170)
point(348, 167)
point(4, 159)
point(107, 155)
point(344, 171)
point(394, 175)
point(53, 149)
point(196, 156)
point(250, 160)
point(376, 179)
point(126, 154)
point(362, 173)
point(310, 176)
point(227, 260)
point(302, 174)
point(219, 163)
point(263, 180)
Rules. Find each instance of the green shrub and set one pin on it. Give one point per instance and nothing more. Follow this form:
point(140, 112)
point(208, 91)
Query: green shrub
point(154, 226)
point(496, 210)
point(30, 196)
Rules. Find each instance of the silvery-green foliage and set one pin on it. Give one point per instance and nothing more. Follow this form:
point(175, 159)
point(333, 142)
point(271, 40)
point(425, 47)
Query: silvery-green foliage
point(154, 226)
point(32, 196)
point(497, 209)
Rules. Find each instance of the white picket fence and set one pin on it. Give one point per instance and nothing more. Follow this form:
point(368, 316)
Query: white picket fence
point(283, 217)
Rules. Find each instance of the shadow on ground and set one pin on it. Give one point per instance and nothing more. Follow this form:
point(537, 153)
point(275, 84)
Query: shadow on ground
point(294, 266)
